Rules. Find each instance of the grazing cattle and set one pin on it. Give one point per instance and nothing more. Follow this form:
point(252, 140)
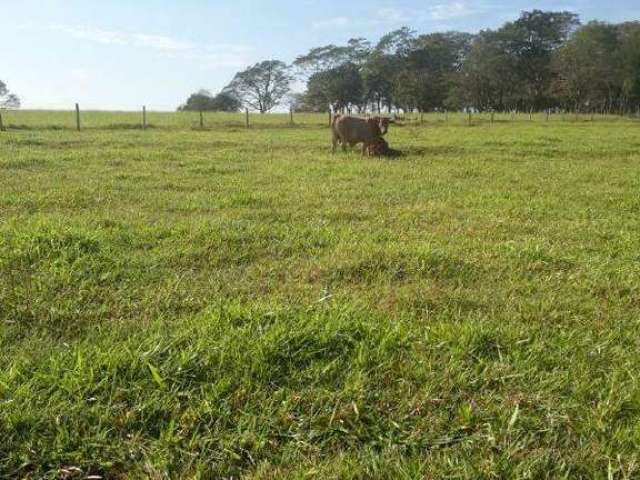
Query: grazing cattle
point(352, 130)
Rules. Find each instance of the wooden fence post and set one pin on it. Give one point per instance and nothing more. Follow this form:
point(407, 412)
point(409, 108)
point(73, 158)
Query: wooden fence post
point(446, 116)
point(201, 120)
point(78, 117)
point(492, 113)
point(531, 114)
point(1, 124)
point(291, 115)
point(246, 117)
point(548, 112)
point(469, 117)
point(144, 117)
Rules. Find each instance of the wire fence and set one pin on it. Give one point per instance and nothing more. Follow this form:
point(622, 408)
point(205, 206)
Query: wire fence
point(147, 119)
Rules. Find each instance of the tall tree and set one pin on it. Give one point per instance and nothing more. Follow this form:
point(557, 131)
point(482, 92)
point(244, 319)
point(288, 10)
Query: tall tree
point(434, 62)
point(531, 41)
point(8, 99)
point(629, 58)
point(489, 75)
point(399, 42)
point(599, 67)
point(587, 68)
point(378, 74)
point(340, 87)
point(330, 56)
point(262, 86)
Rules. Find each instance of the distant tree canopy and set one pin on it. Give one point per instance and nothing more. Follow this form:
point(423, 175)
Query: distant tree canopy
point(204, 101)
point(263, 86)
point(8, 99)
point(541, 60)
point(339, 87)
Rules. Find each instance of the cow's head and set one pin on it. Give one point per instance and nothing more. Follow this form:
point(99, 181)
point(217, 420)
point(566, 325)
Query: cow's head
point(383, 124)
point(374, 124)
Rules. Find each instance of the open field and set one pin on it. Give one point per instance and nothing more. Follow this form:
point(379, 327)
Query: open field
point(238, 302)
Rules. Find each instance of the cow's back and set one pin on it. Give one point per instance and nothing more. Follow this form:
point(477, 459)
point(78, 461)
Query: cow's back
point(353, 129)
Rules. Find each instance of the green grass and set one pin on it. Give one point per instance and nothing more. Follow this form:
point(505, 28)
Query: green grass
point(241, 303)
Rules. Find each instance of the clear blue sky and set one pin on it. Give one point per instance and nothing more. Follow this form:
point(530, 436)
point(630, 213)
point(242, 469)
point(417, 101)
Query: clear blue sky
point(120, 54)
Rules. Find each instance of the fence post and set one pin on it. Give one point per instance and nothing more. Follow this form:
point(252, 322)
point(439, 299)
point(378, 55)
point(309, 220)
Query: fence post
point(421, 118)
point(446, 116)
point(1, 124)
point(469, 117)
point(201, 120)
point(531, 114)
point(246, 117)
point(78, 117)
point(330, 117)
point(492, 113)
point(291, 115)
point(144, 117)
point(548, 110)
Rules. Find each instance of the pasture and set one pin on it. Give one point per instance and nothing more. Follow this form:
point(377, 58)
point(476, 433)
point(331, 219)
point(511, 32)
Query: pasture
point(235, 302)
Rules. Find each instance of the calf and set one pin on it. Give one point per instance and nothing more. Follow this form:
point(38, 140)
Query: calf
point(379, 148)
point(352, 130)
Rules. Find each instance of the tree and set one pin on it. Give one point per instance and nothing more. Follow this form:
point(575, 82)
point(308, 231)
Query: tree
point(587, 70)
point(489, 77)
point(378, 75)
point(262, 86)
point(303, 102)
point(531, 41)
point(399, 42)
point(8, 99)
point(225, 102)
point(512, 67)
point(599, 67)
point(331, 56)
point(340, 87)
point(430, 68)
point(201, 101)
point(629, 60)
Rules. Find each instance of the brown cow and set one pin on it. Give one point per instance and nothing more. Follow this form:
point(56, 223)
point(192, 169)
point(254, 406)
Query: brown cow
point(352, 130)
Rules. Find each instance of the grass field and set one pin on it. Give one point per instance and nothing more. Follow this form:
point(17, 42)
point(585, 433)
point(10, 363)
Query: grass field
point(231, 302)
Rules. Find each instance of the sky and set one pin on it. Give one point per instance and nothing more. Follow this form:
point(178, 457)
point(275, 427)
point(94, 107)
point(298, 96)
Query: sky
point(122, 54)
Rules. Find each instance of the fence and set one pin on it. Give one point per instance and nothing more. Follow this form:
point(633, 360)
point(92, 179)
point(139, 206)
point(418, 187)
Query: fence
point(146, 119)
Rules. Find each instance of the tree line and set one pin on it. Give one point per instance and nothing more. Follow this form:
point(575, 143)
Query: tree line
point(542, 60)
